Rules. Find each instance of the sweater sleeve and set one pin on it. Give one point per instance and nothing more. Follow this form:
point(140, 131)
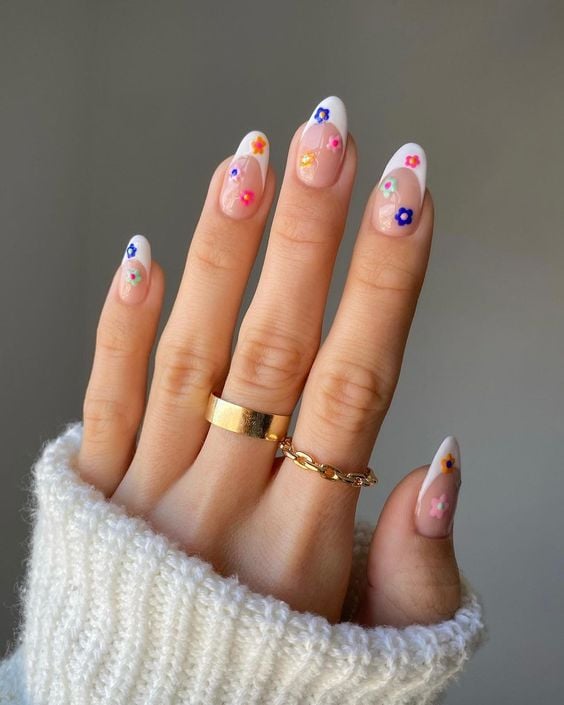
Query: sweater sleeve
point(115, 613)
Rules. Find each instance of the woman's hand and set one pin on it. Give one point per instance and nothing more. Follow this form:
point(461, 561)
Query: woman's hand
point(283, 530)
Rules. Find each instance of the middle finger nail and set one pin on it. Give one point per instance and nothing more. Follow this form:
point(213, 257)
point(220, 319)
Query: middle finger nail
point(322, 144)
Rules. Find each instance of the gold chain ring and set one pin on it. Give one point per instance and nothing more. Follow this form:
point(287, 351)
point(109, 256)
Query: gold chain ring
point(329, 472)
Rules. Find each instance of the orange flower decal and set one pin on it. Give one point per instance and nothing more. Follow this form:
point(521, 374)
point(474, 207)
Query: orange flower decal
point(448, 464)
point(307, 159)
point(258, 145)
point(412, 160)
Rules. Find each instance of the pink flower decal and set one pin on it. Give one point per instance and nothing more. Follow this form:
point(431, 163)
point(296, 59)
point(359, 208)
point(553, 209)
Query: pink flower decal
point(439, 506)
point(412, 160)
point(247, 197)
point(334, 143)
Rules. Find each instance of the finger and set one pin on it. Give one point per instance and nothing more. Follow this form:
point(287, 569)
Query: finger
point(355, 373)
point(412, 574)
point(115, 397)
point(280, 333)
point(194, 350)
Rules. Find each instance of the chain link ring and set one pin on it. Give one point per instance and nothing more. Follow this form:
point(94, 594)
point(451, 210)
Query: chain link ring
point(327, 471)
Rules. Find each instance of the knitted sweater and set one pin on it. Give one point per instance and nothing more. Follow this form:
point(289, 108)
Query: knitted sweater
point(114, 613)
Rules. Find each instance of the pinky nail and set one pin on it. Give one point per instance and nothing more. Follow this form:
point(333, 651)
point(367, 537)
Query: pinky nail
point(135, 270)
point(322, 144)
point(399, 194)
point(243, 182)
point(438, 495)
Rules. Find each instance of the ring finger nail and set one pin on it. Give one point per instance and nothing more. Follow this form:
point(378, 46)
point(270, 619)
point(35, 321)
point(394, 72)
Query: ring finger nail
point(135, 270)
point(437, 498)
point(400, 192)
point(244, 179)
point(322, 144)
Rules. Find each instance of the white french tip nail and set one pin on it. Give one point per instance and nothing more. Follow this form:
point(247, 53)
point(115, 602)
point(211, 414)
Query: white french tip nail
point(138, 248)
point(448, 449)
point(412, 156)
point(255, 144)
point(331, 109)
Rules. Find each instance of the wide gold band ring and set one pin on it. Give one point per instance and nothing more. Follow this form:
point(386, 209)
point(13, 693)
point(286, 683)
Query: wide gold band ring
point(239, 419)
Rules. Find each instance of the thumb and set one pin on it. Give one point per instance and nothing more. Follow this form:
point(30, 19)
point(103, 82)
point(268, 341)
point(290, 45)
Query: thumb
point(412, 574)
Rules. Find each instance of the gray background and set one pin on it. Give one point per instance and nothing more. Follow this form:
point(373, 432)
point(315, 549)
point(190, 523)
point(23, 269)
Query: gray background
point(113, 115)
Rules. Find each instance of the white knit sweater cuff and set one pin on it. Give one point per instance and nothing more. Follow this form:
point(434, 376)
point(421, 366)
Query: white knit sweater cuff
point(116, 613)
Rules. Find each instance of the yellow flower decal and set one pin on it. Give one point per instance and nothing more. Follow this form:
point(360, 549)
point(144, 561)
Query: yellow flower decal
point(307, 159)
point(448, 464)
point(258, 145)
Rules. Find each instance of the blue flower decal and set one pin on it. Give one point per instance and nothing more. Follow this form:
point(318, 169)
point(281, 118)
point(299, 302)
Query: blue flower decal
point(404, 216)
point(321, 115)
point(131, 250)
point(234, 173)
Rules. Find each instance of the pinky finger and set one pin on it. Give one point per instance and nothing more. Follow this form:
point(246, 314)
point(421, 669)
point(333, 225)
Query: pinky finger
point(115, 397)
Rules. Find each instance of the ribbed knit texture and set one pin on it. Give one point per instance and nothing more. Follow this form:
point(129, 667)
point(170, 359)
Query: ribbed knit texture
point(115, 613)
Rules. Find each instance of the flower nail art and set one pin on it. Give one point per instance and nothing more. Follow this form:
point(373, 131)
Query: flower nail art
point(235, 173)
point(388, 186)
point(412, 160)
point(397, 202)
point(244, 180)
point(258, 145)
point(334, 143)
point(404, 216)
point(135, 280)
point(448, 463)
point(307, 159)
point(133, 276)
point(438, 495)
point(439, 506)
point(131, 250)
point(322, 143)
point(247, 197)
point(322, 114)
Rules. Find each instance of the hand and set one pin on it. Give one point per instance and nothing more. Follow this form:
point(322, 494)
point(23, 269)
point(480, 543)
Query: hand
point(283, 530)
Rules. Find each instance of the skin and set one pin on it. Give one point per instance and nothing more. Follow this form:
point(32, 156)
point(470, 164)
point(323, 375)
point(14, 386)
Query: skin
point(223, 496)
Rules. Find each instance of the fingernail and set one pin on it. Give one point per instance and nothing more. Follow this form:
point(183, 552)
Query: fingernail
point(438, 495)
point(135, 270)
point(322, 144)
point(243, 183)
point(399, 194)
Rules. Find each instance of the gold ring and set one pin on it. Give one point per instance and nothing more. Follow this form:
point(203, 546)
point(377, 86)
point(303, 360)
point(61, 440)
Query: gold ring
point(329, 472)
point(239, 419)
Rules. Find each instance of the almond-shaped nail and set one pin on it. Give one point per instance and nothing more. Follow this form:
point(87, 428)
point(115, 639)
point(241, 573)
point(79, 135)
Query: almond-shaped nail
point(243, 183)
point(399, 194)
point(322, 144)
point(135, 270)
point(438, 495)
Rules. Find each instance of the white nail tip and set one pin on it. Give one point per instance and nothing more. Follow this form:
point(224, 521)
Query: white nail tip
point(337, 115)
point(448, 447)
point(138, 248)
point(255, 144)
point(411, 156)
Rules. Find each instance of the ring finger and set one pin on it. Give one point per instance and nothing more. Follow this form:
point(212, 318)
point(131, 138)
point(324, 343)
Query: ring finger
point(280, 333)
point(194, 349)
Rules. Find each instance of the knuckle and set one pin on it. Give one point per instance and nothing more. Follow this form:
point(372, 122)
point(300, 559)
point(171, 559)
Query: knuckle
point(182, 372)
point(306, 227)
point(385, 276)
point(272, 361)
point(350, 395)
point(114, 338)
point(103, 414)
point(212, 253)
